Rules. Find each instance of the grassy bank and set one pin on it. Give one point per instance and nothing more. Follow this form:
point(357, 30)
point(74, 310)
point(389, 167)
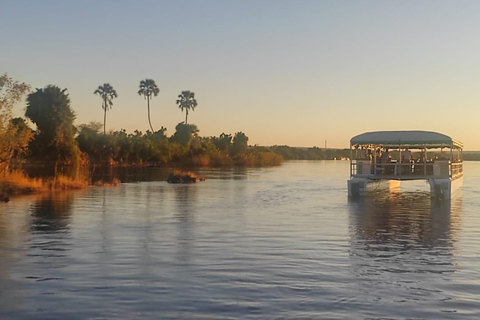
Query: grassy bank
point(18, 183)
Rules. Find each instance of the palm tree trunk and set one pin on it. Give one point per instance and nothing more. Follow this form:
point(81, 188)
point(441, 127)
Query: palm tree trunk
point(105, 117)
point(186, 115)
point(148, 107)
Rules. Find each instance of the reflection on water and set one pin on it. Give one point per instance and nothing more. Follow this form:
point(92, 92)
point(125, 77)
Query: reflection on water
point(185, 200)
point(52, 212)
point(257, 243)
point(400, 245)
point(404, 217)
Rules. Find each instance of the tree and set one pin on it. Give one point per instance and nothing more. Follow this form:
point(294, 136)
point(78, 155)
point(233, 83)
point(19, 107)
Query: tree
point(186, 101)
point(22, 134)
point(240, 143)
point(223, 142)
point(12, 139)
point(91, 141)
point(184, 133)
point(107, 93)
point(49, 108)
point(148, 89)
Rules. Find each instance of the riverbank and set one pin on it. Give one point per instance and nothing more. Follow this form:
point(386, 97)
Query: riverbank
point(18, 183)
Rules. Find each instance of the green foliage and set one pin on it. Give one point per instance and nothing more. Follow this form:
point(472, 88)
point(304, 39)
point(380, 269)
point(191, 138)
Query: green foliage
point(15, 144)
point(123, 149)
point(223, 142)
point(266, 157)
point(240, 143)
point(14, 137)
point(186, 101)
point(91, 142)
point(184, 134)
point(184, 146)
point(49, 108)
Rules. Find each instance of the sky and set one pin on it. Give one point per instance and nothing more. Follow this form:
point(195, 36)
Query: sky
point(297, 73)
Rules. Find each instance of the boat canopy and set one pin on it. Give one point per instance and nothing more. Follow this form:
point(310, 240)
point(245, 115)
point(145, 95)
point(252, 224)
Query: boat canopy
point(418, 139)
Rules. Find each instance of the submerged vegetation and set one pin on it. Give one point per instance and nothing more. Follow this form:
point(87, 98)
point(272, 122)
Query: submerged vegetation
point(180, 176)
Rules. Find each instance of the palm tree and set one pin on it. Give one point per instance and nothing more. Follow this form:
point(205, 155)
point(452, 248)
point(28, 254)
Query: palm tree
point(187, 101)
point(147, 89)
point(107, 93)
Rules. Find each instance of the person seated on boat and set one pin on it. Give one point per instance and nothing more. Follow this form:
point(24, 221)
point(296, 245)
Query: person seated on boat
point(370, 155)
point(406, 155)
point(423, 157)
point(378, 155)
point(385, 157)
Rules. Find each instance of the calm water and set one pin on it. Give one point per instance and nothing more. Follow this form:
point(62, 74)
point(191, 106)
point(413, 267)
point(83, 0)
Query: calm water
point(275, 243)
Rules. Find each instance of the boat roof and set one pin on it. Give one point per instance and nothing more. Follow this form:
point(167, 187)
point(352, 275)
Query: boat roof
point(406, 138)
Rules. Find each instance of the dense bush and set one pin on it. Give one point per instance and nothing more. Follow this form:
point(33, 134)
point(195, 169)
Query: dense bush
point(185, 146)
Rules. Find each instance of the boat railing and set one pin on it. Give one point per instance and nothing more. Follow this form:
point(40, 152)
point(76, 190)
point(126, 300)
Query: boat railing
point(456, 169)
point(406, 170)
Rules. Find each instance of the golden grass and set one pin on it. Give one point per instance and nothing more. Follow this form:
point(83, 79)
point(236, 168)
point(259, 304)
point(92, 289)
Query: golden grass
point(61, 182)
point(17, 182)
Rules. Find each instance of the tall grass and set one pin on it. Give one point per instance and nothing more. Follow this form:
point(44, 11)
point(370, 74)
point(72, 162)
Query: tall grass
point(62, 182)
point(17, 182)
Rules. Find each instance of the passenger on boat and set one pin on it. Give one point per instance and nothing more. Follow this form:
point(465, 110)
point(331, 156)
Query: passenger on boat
point(385, 156)
point(406, 155)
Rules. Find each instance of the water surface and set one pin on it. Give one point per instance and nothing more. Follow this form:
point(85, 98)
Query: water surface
point(265, 243)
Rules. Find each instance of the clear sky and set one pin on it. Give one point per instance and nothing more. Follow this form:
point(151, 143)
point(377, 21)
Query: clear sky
point(284, 72)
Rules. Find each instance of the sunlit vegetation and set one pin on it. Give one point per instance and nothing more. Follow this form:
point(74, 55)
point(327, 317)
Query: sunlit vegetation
point(71, 150)
point(184, 147)
point(14, 134)
point(17, 182)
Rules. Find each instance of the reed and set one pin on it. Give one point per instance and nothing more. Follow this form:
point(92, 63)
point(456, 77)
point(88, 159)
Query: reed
point(17, 182)
point(62, 182)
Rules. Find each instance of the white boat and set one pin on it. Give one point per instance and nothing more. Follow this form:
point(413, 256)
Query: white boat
point(384, 158)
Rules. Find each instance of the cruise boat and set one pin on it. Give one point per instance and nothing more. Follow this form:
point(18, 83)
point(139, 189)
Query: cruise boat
point(384, 158)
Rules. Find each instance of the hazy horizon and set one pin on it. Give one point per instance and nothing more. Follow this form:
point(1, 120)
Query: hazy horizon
point(291, 73)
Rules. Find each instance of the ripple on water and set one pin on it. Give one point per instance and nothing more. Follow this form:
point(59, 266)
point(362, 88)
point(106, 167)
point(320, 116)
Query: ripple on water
point(276, 243)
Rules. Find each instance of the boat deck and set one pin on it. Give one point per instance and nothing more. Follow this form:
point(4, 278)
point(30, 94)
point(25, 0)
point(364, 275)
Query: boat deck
point(406, 171)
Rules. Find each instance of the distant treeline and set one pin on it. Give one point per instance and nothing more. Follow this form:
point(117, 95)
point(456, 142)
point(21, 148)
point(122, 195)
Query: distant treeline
point(471, 155)
point(315, 153)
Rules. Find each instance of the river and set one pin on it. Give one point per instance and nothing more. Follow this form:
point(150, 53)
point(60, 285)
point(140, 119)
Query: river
point(260, 243)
